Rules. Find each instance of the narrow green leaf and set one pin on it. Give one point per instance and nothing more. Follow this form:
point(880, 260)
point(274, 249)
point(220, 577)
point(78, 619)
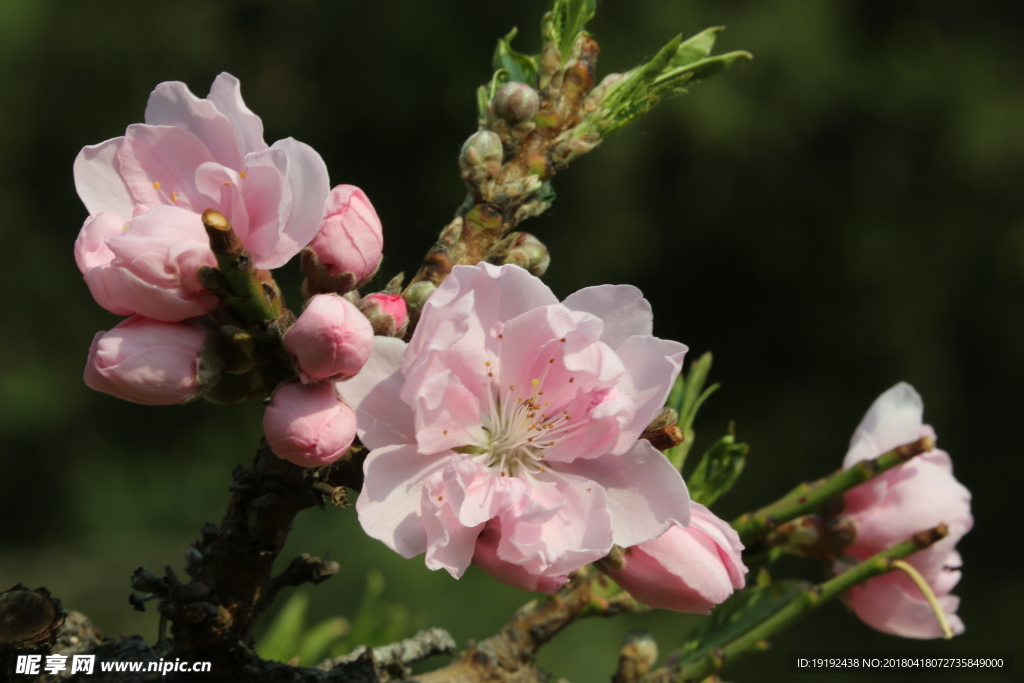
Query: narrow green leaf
point(694, 394)
point(737, 615)
point(281, 641)
point(482, 98)
point(568, 17)
point(521, 68)
point(668, 82)
point(696, 47)
point(717, 470)
point(675, 397)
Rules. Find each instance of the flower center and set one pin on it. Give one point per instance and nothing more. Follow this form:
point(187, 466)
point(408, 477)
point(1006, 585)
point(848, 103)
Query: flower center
point(520, 426)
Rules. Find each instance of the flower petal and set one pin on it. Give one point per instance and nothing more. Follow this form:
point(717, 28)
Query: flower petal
point(501, 293)
point(646, 494)
point(390, 502)
point(383, 418)
point(450, 542)
point(173, 104)
point(651, 368)
point(98, 179)
point(91, 250)
point(892, 604)
point(309, 184)
point(226, 94)
point(623, 309)
point(158, 163)
point(895, 418)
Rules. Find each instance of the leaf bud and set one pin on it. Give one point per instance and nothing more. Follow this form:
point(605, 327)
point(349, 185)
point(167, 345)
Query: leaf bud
point(481, 157)
point(417, 294)
point(516, 102)
point(530, 253)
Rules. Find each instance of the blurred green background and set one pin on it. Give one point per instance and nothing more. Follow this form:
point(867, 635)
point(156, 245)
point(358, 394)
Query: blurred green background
point(844, 212)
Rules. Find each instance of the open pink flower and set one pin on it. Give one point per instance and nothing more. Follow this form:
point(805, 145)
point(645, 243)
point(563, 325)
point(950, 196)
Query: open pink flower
point(689, 569)
point(191, 154)
point(897, 504)
point(505, 432)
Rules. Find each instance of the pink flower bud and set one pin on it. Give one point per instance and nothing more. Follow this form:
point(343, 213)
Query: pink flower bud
point(147, 361)
point(350, 238)
point(308, 425)
point(893, 506)
point(686, 569)
point(330, 340)
point(387, 313)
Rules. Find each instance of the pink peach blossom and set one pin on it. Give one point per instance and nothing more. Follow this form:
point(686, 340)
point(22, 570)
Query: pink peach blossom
point(689, 569)
point(350, 238)
point(147, 361)
point(330, 340)
point(191, 154)
point(308, 425)
point(897, 504)
point(506, 430)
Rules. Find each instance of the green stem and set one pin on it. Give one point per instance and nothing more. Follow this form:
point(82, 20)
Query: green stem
point(807, 498)
point(805, 603)
point(257, 301)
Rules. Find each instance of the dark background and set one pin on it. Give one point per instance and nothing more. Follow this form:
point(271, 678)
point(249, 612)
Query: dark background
point(842, 213)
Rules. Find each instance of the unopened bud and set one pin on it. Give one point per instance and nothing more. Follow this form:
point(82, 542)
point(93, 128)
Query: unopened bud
point(530, 253)
point(387, 313)
point(516, 102)
point(481, 157)
point(348, 245)
point(308, 425)
point(638, 654)
point(330, 340)
point(147, 361)
point(417, 294)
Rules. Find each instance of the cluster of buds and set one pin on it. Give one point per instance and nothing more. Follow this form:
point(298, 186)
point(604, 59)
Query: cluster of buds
point(189, 212)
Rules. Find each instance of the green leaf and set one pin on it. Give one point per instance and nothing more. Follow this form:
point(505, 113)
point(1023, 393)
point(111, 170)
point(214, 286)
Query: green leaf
point(631, 96)
point(521, 68)
point(566, 22)
point(281, 641)
point(670, 81)
point(737, 615)
point(694, 394)
point(675, 396)
point(676, 65)
point(696, 47)
point(718, 469)
point(686, 398)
